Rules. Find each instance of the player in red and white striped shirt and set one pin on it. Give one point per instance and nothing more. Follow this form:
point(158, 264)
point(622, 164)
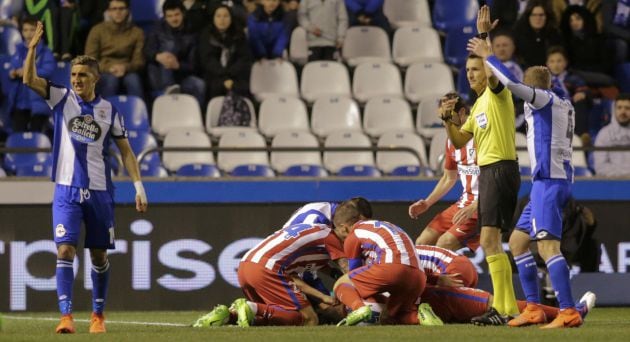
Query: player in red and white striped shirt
point(456, 226)
point(381, 258)
point(445, 267)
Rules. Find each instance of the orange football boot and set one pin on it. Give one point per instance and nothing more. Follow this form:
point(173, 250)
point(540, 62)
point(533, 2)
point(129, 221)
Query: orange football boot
point(66, 325)
point(567, 318)
point(532, 314)
point(97, 323)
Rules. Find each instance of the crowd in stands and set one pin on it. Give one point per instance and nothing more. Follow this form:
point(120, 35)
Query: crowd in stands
point(212, 48)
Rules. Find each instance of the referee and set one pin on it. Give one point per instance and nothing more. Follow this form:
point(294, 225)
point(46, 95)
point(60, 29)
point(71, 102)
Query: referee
point(491, 124)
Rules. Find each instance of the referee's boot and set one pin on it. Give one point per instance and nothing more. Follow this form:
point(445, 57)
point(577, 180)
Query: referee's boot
point(533, 314)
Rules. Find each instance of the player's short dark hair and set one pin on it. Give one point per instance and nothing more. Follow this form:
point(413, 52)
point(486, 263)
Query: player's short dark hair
point(86, 60)
point(363, 205)
point(170, 5)
point(29, 19)
point(473, 56)
point(623, 97)
point(347, 213)
point(558, 49)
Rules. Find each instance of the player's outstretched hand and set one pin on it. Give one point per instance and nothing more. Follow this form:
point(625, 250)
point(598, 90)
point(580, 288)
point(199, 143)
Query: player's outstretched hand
point(417, 208)
point(483, 20)
point(39, 32)
point(479, 47)
point(451, 280)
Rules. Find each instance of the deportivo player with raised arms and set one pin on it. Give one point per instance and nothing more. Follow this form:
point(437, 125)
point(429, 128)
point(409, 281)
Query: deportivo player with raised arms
point(84, 123)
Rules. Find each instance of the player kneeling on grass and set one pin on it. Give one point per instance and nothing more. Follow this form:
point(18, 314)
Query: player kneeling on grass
point(268, 276)
point(382, 258)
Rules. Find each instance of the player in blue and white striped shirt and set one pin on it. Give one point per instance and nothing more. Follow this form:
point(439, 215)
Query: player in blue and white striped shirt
point(550, 122)
point(84, 123)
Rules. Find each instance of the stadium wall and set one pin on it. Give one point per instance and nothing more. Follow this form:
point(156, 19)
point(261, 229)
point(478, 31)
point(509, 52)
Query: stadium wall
point(183, 253)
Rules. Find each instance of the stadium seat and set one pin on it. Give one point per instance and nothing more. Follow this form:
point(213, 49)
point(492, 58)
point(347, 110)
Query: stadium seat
point(390, 161)
point(282, 113)
point(146, 10)
point(334, 161)
point(282, 161)
point(376, 79)
point(252, 170)
point(2, 173)
point(366, 44)
point(622, 75)
point(153, 170)
point(213, 111)
point(424, 79)
point(141, 141)
point(36, 170)
point(359, 171)
point(186, 138)
point(427, 120)
point(12, 161)
point(407, 48)
point(324, 78)
point(61, 75)
point(175, 111)
point(227, 161)
point(10, 37)
point(524, 163)
point(407, 171)
point(298, 47)
point(404, 13)
point(463, 87)
point(306, 171)
point(198, 170)
point(385, 114)
point(133, 111)
point(580, 166)
point(273, 78)
point(445, 17)
point(334, 113)
point(455, 52)
point(437, 150)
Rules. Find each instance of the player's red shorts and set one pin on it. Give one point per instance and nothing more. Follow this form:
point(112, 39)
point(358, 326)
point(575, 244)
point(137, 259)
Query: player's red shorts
point(467, 233)
point(462, 265)
point(404, 284)
point(456, 304)
point(261, 285)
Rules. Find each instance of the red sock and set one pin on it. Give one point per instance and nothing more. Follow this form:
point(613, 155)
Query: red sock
point(550, 311)
point(275, 315)
point(348, 295)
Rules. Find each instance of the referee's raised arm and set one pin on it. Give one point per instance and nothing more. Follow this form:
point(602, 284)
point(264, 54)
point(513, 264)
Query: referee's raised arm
point(30, 78)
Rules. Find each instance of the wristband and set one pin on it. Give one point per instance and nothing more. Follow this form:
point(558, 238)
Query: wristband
point(482, 35)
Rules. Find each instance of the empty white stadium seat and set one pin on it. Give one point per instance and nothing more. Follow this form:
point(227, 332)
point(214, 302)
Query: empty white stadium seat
point(186, 138)
point(213, 111)
point(376, 79)
point(388, 161)
point(579, 159)
point(383, 114)
point(334, 161)
point(424, 79)
point(175, 111)
point(416, 45)
point(272, 78)
point(401, 13)
point(227, 161)
point(335, 113)
point(298, 48)
point(428, 121)
point(324, 78)
point(366, 44)
point(437, 150)
point(281, 114)
point(281, 161)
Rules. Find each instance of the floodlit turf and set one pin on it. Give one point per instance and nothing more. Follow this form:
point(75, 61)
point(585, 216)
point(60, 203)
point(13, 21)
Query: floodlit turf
point(603, 324)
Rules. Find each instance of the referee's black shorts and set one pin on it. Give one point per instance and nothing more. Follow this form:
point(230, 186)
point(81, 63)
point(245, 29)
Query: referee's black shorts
point(498, 193)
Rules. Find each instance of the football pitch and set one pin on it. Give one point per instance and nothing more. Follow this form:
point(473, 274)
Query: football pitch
point(603, 324)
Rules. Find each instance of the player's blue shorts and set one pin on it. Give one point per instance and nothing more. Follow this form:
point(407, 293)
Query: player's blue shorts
point(71, 205)
point(542, 217)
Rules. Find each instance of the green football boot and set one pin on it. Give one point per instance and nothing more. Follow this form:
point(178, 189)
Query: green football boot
point(357, 316)
point(217, 317)
point(243, 312)
point(427, 317)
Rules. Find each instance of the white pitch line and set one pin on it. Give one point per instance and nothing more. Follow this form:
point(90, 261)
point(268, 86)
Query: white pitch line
point(29, 318)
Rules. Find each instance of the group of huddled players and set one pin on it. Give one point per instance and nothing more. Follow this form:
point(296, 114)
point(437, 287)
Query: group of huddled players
point(382, 276)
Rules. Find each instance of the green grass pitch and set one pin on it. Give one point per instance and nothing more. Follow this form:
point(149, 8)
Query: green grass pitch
point(603, 324)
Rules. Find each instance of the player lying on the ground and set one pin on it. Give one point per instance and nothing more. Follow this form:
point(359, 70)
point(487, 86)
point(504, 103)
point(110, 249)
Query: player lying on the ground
point(381, 258)
point(267, 276)
point(446, 268)
point(322, 212)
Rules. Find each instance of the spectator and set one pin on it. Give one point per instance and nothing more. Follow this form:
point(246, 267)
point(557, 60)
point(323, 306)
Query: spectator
point(268, 35)
point(28, 107)
point(534, 33)
point(117, 44)
point(503, 47)
point(326, 23)
point(90, 13)
point(223, 56)
point(367, 12)
point(507, 12)
point(239, 11)
point(616, 133)
point(170, 54)
point(572, 86)
point(616, 21)
point(59, 18)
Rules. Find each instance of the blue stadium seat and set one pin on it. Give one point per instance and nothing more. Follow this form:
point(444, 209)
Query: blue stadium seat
point(452, 14)
point(359, 171)
point(37, 170)
point(305, 171)
point(463, 87)
point(26, 140)
point(61, 74)
point(455, 52)
point(622, 75)
point(10, 37)
point(252, 170)
point(412, 170)
point(146, 10)
point(582, 171)
point(199, 170)
point(152, 170)
point(134, 111)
